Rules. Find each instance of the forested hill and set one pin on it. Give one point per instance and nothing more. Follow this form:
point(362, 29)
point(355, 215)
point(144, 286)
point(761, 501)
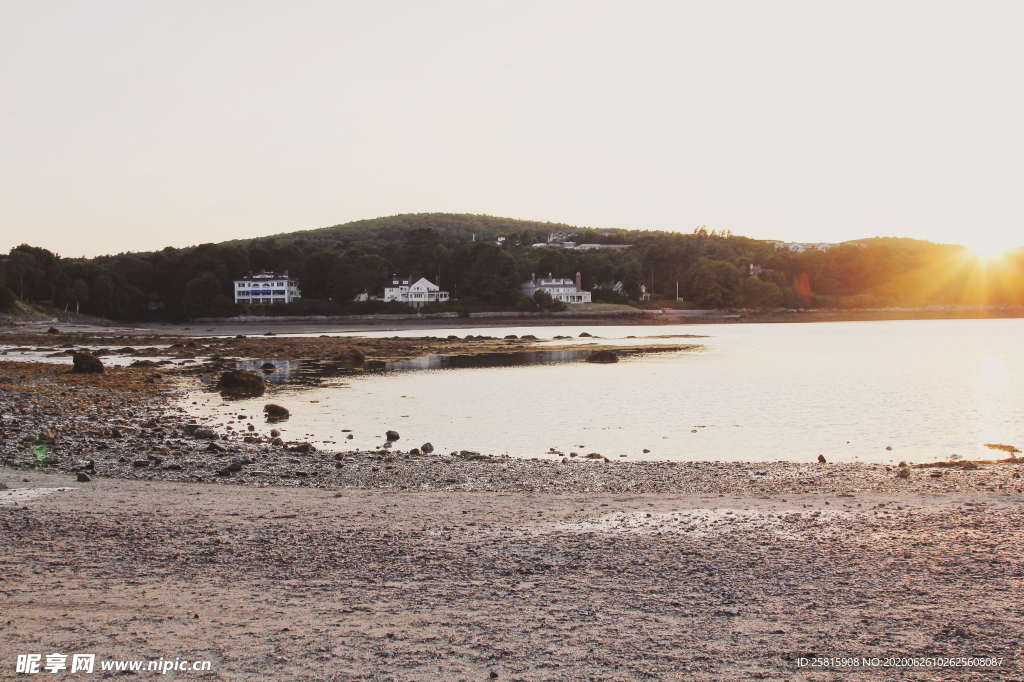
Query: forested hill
point(450, 227)
point(715, 270)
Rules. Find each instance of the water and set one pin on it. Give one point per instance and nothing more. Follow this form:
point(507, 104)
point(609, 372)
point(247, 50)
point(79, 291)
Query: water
point(756, 392)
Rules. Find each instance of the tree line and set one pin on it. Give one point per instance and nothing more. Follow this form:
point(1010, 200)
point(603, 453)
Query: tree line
point(460, 253)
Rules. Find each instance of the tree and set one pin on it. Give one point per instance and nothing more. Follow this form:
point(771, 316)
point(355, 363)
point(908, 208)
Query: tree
point(201, 294)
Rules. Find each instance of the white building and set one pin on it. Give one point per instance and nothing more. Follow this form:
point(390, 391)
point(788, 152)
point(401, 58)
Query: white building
point(559, 288)
point(266, 288)
point(801, 247)
point(417, 294)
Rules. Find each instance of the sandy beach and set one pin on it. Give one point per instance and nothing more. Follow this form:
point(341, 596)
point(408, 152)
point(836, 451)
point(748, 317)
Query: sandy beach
point(712, 583)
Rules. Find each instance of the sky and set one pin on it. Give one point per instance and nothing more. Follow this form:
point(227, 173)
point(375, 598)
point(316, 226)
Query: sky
point(131, 125)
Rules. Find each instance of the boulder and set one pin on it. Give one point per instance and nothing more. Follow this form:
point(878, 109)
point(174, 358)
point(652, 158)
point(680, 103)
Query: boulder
point(821, 459)
point(86, 363)
point(353, 357)
point(275, 413)
point(240, 383)
point(603, 356)
point(427, 448)
point(586, 335)
point(392, 435)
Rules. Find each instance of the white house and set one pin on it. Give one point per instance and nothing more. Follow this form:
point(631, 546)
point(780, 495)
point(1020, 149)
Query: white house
point(417, 294)
point(559, 288)
point(266, 288)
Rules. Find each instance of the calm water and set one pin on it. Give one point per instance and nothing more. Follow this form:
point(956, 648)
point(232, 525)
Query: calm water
point(847, 390)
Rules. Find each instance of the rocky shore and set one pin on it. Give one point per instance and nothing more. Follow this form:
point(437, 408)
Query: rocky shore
point(122, 424)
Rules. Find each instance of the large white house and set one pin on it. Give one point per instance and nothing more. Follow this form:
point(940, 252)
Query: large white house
point(266, 288)
point(559, 288)
point(416, 293)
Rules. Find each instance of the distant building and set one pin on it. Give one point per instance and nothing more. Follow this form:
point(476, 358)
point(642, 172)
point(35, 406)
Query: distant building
point(801, 247)
point(416, 293)
point(267, 288)
point(595, 247)
point(579, 247)
point(559, 288)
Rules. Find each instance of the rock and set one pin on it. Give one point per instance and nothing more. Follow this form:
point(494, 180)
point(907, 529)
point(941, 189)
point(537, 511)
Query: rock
point(427, 448)
point(353, 357)
point(586, 335)
point(414, 451)
point(903, 472)
point(82, 477)
point(375, 365)
point(141, 462)
point(52, 330)
point(239, 383)
point(603, 356)
point(274, 433)
point(214, 447)
point(593, 455)
point(392, 435)
point(204, 432)
point(275, 413)
point(821, 459)
point(86, 363)
point(233, 466)
point(143, 363)
point(276, 440)
point(268, 367)
point(301, 447)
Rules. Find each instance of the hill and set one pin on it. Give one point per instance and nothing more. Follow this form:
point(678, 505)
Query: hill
point(461, 252)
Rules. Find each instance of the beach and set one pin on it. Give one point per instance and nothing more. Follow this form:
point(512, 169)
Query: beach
point(145, 534)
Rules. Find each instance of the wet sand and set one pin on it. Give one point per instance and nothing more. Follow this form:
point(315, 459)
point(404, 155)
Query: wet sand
point(307, 583)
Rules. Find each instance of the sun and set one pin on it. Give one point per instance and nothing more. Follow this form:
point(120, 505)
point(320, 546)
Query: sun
point(989, 249)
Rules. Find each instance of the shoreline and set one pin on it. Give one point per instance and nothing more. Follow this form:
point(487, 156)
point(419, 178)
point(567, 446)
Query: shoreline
point(378, 323)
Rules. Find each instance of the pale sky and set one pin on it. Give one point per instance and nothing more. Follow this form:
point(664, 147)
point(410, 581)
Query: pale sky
point(129, 125)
